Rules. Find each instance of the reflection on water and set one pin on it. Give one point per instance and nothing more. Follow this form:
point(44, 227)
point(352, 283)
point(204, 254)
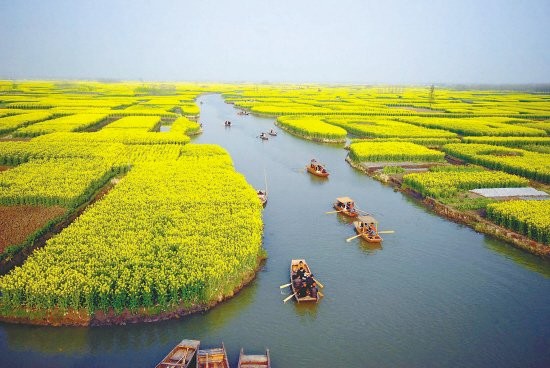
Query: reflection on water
point(307, 311)
point(529, 261)
point(369, 248)
point(48, 340)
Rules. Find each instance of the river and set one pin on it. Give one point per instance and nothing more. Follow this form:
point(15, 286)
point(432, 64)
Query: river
point(435, 294)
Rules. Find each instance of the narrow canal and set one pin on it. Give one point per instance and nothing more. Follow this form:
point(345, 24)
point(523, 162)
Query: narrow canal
point(435, 294)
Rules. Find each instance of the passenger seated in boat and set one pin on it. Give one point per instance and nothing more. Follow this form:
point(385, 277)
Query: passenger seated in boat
point(302, 291)
point(296, 281)
point(313, 291)
point(309, 281)
point(301, 273)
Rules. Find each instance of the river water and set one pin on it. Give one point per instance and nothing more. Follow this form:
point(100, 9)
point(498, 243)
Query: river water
point(435, 294)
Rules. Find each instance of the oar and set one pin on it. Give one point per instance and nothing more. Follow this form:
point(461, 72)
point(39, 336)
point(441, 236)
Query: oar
point(288, 298)
point(318, 283)
point(360, 210)
point(320, 294)
point(334, 212)
point(284, 286)
point(386, 232)
point(353, 237)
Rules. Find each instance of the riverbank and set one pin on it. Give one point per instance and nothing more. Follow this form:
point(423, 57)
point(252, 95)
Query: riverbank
point(81, 318)
point(471, 218)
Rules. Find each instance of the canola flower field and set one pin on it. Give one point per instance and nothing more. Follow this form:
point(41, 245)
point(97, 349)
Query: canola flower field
point(180, 227)
point(64, 141)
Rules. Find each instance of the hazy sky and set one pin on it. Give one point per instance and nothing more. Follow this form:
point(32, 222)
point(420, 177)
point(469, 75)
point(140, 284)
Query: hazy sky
point(362, 41)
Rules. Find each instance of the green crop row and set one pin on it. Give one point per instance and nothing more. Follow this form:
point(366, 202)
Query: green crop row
point(528, 164)
point(67, 183)
point(529, 218)
point(64, 124)
point(393, 151)
point(312, 128)
point(444, 184)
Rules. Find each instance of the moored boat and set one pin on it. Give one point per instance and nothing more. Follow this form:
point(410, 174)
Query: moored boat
point(254, 361)
point(346, 206)
point(367, 227)
point(317, 169)
point(212, 358)
point(181, 355)
point(295, 266)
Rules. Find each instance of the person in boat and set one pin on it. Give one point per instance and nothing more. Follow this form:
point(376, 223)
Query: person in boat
point(302, 291)
point(301, 273)
point(313, 291)
point(371, 230)
point(296, 281)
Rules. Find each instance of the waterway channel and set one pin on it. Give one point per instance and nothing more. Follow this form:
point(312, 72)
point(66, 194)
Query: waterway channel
point(435, 294)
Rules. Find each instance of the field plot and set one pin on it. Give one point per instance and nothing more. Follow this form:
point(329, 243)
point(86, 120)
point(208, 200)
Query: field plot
point(19, 222)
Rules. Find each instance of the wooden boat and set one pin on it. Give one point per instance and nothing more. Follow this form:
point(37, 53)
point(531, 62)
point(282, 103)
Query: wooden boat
point(362, 225)
point(227, 123)
point(264, 136)
point(317, 169)
point(346, 206)
point(262, 196)
point(212, 358)
point(294, 267)
point(254, 361)
point(272, 132)
point(181, 355)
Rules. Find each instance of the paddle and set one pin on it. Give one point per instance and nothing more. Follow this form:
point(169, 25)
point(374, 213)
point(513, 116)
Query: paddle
point(334, 212)
point(284, 286)
point(353, 237)
point(318, 283)
point(386, 232)
point(288, 298)
point(320, 294)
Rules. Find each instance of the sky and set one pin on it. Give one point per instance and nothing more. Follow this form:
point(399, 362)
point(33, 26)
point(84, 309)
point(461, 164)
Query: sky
point(342, 41)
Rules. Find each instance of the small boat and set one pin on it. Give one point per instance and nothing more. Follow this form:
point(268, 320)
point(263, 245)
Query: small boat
point(227, 123)
point(272, 132)
point(243, 113)
point(262, 196)
point(181, 355)
point(212, 358)
point(367, 227)
point(254, 361)
point(346, 206)
point(294, 267)
point(317, 169)
point(264, 136)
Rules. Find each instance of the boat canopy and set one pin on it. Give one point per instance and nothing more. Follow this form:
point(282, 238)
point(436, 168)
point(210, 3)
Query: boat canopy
point(367, 219)
point(344, 199)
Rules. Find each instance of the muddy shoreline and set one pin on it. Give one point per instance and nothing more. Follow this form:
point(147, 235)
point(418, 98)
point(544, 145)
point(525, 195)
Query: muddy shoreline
point(81, 318)
point(470, 218)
